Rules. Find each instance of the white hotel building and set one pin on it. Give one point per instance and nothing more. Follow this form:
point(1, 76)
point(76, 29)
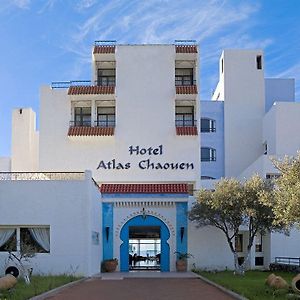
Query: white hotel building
point(147, 141)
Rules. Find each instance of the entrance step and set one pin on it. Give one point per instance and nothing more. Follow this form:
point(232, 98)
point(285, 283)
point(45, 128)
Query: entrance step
point(146, 274)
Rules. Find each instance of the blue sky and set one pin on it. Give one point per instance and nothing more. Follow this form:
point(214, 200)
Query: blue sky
point(51, 40)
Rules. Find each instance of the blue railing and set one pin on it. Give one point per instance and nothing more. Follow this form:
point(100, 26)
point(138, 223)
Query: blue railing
point(67, 84)
point(294, 261)
point(105, 43)
point(185, 42)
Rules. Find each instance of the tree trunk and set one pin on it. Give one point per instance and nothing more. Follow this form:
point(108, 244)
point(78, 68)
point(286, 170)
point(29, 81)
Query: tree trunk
point(246, 262)
point(26, 274)
point(237, 268)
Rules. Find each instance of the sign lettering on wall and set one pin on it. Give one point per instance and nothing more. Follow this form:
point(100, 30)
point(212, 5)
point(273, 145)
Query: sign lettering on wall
point(145, 164)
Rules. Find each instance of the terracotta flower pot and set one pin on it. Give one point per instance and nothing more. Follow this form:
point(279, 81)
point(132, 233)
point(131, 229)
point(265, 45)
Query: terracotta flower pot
point(181, 265)
point(110, 265)
point(296, 284)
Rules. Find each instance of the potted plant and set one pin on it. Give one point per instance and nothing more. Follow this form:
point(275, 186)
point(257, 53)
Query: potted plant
point(110, 265)
point(181, 262)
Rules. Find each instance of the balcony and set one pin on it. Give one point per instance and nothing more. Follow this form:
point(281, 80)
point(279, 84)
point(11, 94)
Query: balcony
point(186, 50)
point(186, 127)
point(184, 81)
point(104, 47)
point(81, 129)
point(84, 87)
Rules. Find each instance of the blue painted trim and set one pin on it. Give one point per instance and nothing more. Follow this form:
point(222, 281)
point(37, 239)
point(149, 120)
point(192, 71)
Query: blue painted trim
point(107, 222)
point(181, 222)
point(145, 195)
point(164, 235)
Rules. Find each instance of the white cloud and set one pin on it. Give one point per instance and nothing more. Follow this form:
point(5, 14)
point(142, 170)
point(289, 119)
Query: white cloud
point(215, 24)
point(48, 5)
point(290, 72)
point(85, 4)
point(23, 4)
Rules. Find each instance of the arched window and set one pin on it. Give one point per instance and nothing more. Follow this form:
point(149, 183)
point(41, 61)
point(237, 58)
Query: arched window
point(207, 177)
point(208, 125)
point(208, 154)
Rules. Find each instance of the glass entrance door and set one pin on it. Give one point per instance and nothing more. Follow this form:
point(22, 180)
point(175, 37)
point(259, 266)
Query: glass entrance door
point(144, 247)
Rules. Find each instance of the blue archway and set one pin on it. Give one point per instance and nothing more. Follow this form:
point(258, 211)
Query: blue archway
point(164, 236)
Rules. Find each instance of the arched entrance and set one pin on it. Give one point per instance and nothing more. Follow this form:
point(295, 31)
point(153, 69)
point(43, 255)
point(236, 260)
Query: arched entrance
point(152, 225)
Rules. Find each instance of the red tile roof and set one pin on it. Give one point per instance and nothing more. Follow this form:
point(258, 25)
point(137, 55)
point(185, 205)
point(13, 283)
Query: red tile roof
point(93, 89)
point(186, 49)
point(186, 89)
point(104, 49)
point(177, 188)
point(90, 131)
point(190, 130)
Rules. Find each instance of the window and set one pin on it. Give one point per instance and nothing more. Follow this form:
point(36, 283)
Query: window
point(258, 243)
point(37, 239)
point(184, 116)
point(222, 65)
point(8, 239)
point(106, 116)
point(207, 177)
point(208, 125)
point(265, 148)
point(106, 77)
point(208, 154)
point(82, 116)
point(241, 260)
point(259, 261)
point(239, 243)
point(272, 176)
point(258, 62)
point(25, 239)
point(183, 76)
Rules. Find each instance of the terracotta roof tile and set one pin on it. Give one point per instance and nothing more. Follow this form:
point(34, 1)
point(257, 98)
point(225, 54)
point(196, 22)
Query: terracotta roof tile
point(186, 89)
point(90, 131)
point(104, 49)
point(177, 188)
point(186, 49)
point(93, 89)
point(190, 130)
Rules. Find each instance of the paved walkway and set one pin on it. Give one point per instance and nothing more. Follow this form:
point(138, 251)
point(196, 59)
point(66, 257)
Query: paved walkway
point(155, 288)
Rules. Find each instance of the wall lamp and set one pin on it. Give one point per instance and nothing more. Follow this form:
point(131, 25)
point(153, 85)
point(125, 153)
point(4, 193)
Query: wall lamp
point(107, 233)
point(181, 233)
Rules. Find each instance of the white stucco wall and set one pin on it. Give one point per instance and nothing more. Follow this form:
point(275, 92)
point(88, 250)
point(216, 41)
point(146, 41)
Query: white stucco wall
point(262, 166)
point(209, 248)
point(25, 141)
point(285, 245)
point(244, 106)
point(5, 164)
point(279, 90)
point(145, 117)
point(70, 208)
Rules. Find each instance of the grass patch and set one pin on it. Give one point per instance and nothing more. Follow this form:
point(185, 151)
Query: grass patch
point(251, 286)
point(39, 285)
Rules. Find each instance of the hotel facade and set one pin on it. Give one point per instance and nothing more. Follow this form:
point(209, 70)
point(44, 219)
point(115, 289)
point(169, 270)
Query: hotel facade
point(112, 171)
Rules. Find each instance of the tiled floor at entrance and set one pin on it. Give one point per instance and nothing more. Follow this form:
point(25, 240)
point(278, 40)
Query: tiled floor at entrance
point(142, 288)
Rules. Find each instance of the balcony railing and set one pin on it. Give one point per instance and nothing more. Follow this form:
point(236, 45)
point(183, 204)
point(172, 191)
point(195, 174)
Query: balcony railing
point(185, 42)
point(105, 124)
point(106, 43)
point(42, 176)
point(185, 82)
point(80, 123)
point(185, 123)
point(68, 84)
